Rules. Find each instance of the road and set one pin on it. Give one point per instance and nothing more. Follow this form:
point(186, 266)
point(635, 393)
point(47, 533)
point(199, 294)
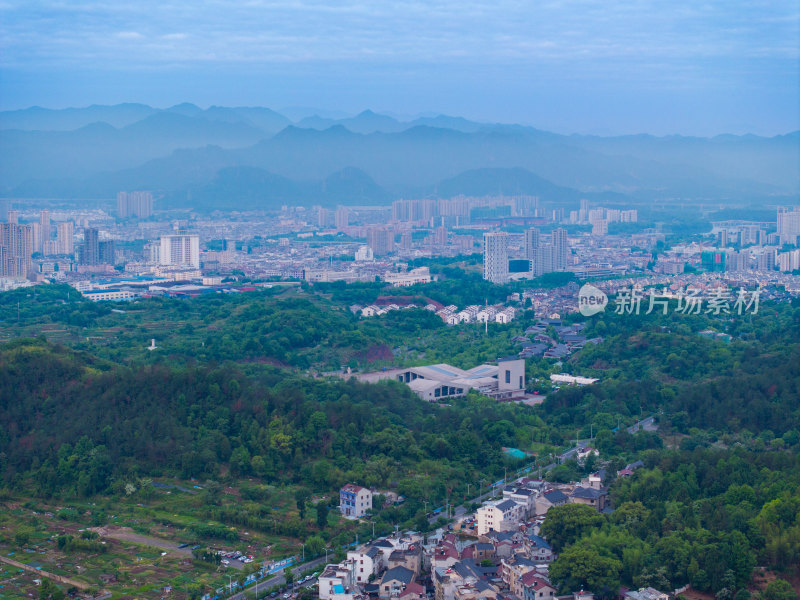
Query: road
point(279, 580)
point(647, 424)
point(78, 584)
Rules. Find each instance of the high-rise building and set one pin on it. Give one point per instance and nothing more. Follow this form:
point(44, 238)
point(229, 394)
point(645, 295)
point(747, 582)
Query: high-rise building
point(90, 251)
point(560, 249)
point(16, 242)
point(106, 252)
point(44, 225)
point(380, 240)
point(440, 236)
point(13, 217)
point(342, 218)
point(600, 227)
point(766, 260)
point(36, 237)
point(495, 257)
point(180, 251)
point(531, 243)
point(789, 224)
point(406, 240)
point(65, 233)
point(323, 217)
point(542, 261)
point(789, 261)
point(583, 213)
point(135, 204)
point(737, 261)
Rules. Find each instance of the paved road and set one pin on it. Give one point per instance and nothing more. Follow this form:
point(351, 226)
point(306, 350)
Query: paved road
point(647, 424)
point(279, 580)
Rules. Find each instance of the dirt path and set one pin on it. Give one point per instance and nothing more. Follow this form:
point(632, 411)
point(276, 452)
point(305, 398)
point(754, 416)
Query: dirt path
point(128, 535)
point(58, 578)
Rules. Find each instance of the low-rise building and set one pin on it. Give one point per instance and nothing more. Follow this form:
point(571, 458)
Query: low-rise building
point(394, 582)
point(589, 496)
point(536, 587)
point(367, 562)
point(548, 499)
point(502, 515)
point(354, 501)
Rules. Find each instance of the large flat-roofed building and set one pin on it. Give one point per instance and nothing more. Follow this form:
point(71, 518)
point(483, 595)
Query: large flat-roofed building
point(504, 381)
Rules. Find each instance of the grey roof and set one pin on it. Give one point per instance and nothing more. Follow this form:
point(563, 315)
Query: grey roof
point(373, 552)
point(538, 541)
point(506, 504)
point(554, 496)
point(400, 574)
point(588, 493)
point(523, 492)
point(383, 544)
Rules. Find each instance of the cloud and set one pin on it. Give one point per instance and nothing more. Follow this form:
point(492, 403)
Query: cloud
point(570, 46)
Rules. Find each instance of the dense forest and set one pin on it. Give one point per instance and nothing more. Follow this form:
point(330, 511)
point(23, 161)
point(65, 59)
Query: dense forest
point(75, 424)
point(704, 517)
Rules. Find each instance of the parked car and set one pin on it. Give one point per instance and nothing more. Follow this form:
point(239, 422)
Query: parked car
point(225, 561)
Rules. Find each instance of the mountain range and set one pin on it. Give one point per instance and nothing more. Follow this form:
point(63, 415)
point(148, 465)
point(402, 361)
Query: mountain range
point(254, 157)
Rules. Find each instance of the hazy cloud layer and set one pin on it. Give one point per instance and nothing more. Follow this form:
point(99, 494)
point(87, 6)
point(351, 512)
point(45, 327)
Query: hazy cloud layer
point(739, 56)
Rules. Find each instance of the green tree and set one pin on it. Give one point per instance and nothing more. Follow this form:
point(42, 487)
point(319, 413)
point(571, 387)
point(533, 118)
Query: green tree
point(779, 589)
point(315, 545)
point(566, 524)
point(585, 568)
point(50, 591)
point(322, 514)
point(302, 496)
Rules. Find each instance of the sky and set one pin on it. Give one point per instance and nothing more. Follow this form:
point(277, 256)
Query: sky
point(692, 67)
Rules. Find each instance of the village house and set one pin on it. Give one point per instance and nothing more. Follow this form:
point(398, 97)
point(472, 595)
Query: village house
point(394, 582)
point(589, 496)
point(367, 562)
point(549, 499)
point(354, 501)
point(536, 587)
point(501, 515)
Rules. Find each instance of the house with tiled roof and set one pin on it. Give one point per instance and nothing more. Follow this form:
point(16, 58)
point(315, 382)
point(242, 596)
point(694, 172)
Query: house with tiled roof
point(394, 582)
point(354, 501)
point(548, 499)
point(536, 587)
point(538, 549)
point(589, 496)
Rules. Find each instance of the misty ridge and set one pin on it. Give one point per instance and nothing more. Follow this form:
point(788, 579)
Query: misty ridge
point(256, 158)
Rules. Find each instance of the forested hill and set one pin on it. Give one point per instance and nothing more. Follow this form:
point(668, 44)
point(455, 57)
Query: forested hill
point(70, 423)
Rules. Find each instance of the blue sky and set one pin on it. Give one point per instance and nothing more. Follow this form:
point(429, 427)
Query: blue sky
point(655, 66)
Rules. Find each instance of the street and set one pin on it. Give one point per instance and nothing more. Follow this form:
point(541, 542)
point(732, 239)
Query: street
point(647, 424)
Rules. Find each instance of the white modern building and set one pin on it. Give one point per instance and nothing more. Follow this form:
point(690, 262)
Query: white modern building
point(503, 381)
point(409, 278)
point(495, 257)
point(502, 515)
point(180, 251)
